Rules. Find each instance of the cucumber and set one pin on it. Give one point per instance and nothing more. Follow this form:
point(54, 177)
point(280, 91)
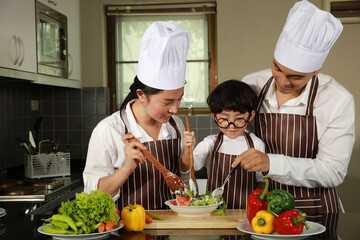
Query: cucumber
point(154, 216)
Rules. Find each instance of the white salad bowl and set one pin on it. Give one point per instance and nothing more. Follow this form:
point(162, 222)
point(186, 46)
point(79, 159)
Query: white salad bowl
point(193, 211)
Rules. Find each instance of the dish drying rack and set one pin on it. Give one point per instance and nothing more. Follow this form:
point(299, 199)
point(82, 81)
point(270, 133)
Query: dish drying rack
point(43, 165)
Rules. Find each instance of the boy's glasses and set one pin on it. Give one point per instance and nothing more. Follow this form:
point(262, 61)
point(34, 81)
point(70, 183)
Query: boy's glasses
point(224, 123)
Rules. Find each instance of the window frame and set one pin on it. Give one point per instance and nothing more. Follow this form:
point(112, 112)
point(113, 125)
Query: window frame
point(111, 67)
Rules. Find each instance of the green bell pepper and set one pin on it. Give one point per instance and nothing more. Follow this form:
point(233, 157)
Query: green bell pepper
point(279, 201)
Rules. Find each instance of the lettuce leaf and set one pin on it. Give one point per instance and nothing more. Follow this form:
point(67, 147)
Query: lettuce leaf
point(92, 208)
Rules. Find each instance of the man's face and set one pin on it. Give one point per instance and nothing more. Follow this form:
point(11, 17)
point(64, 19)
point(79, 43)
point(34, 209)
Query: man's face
point(288, 81)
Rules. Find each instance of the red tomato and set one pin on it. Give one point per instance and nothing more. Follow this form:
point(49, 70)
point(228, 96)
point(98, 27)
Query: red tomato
point(148, 219)
point(183, 201)
point(109, 225)
point(117, 212)
point(101, 228)
point(174, 203)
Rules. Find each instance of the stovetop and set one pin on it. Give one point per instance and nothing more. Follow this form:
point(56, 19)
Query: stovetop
point(35, 189)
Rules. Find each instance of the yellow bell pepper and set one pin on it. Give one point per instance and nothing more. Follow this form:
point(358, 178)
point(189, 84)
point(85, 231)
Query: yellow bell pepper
point(133, 217)
point(263, 222)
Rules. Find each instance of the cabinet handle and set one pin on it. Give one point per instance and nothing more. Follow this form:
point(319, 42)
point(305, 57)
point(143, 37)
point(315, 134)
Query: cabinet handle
point(52, 2)
point(23, 51)
point(17, 49)
point(71, 65)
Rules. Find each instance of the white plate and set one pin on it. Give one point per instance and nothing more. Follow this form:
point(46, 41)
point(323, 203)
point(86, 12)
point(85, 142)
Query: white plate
point(2, 211)
point(102, 235)
point(192, 211)
point(315, 228)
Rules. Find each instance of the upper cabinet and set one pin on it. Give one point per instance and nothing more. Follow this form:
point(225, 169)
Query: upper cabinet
point(18, 35)
point(24, 56)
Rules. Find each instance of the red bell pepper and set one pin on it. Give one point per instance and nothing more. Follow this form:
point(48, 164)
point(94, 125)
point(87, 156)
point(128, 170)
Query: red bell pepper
point(291, 222)
point(257, 201)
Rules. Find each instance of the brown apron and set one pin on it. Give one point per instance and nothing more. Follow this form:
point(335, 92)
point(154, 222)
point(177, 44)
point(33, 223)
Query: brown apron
point(296, 136)
point(146, 185)
point(240, 185)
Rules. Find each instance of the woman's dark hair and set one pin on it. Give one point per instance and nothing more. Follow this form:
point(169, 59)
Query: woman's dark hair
point(135, 86)
point(232, 95)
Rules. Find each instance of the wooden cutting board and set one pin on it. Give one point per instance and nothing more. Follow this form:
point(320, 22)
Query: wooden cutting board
point(173, 221)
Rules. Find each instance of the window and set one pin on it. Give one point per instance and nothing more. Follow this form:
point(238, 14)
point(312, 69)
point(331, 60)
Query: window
point(125, 28)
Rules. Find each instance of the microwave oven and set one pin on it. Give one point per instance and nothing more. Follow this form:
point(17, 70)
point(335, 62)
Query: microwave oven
point(51, 29)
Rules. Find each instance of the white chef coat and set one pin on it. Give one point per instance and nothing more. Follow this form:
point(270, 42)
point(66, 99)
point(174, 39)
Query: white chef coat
point(334, 109)
point(203, 150)
point(106, 149)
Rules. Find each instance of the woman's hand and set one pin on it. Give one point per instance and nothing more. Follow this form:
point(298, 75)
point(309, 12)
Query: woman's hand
point(253, 160)
point(133, 154)
point(189, 140)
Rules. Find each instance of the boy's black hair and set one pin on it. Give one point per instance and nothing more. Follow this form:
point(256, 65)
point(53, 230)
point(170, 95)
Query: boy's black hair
point(232, 95)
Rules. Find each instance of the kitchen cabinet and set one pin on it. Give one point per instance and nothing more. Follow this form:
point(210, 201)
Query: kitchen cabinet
point(71, 9)
point(17, 36)
point(18, 47)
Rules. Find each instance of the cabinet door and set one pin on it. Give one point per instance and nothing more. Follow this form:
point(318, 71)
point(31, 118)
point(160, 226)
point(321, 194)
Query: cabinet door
point(26, 32)
point(17, 35)
point(74, 45)
point(9, 44)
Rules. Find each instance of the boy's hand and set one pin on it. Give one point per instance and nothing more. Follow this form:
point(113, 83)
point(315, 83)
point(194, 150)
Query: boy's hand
point(189, 140)
point(253, 160)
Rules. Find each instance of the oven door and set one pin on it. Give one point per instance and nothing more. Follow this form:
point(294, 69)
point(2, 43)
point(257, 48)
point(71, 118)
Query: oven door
point(51, 41)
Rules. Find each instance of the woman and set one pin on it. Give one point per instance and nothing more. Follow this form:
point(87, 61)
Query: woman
point(306, 119)
point(115, 165)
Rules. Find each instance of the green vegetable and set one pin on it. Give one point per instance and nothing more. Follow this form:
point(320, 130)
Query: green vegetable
point(210, 201)
point(60, 225)
point(190, 193)
point(279, 201)
point(221, 210)
point(55, 230)
point(95, 226)
point(93, 208)
point(206, 199)
point(154, 216)
point(80, 223)
point(63, 218)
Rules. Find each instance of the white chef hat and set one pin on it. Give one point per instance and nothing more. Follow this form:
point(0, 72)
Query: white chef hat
point(306, 38)
point(163, 52)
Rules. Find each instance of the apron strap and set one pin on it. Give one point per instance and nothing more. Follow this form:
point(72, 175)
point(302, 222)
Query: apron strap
point(262, 94)
point(249, 140)
point(218, 141)
point(312, 95)
point(126, 130)
point(313, 90)
point(220, 138)
point(173, 124)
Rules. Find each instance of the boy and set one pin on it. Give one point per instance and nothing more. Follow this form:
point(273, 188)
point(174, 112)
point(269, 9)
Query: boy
point(232, 105)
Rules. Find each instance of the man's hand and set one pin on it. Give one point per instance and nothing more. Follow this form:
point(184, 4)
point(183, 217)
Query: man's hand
point(253, 160)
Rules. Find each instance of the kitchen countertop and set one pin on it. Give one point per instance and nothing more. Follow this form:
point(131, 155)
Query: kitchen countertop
point(25, 227)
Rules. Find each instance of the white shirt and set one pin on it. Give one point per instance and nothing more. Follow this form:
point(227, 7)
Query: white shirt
point(106, 149)
point(202, 151)
point(334, 109)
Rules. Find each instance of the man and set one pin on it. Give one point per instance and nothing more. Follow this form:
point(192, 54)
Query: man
point(305, 118)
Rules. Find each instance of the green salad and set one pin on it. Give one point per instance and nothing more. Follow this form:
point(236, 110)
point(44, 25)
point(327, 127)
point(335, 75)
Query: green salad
point(206, 199)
